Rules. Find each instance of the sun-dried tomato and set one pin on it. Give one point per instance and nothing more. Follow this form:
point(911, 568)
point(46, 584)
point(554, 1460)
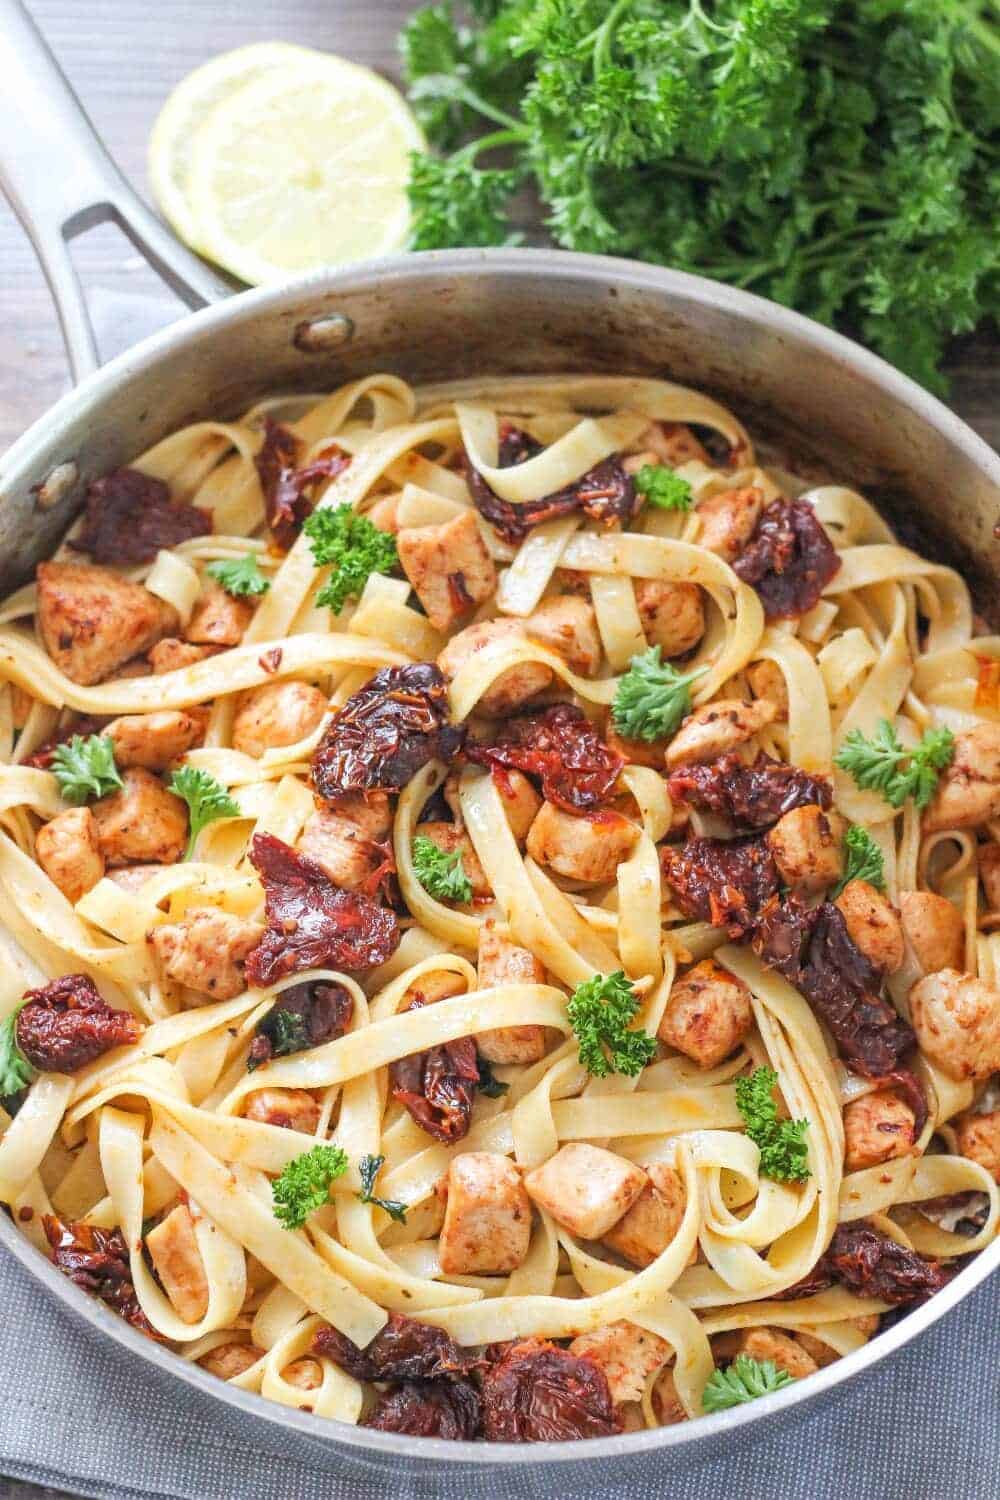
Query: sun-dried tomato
point(814, 951)
point(304, 1015)
point(538, 1393)
point(66, 1024)
point(386, 732)
point(606, 493)
point(752, 796)
point(789, 559)
point(285, 486)
point(871, 1264)
point(578, 770)
point(130, 516)
point(428, 1408)
point(97, 1261)
point(404, 1349)
point(438, 1087)
point(84, 725)
point(310, 923)
point(723, 881)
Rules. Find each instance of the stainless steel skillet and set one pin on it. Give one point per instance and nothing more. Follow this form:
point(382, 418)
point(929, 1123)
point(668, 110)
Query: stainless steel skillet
point(430, 317)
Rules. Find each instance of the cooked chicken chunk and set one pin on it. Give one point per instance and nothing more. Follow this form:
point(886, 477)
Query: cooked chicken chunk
point(344, 850)
point(957, 1021)
point(586, 1188)
point(877, 1127)
point(585, 849)
point(218, 619)
point(729, 520)
point(716, 728)
point(653, 1220)
point(173, 1249)
point(934, 930)
point(766, 1343)
point(807, 847)
point(568, 626)
point(384, 513)
point(979, 1139)
point(968, 793)
point(449, 838)
point(304, 1374)
point(371, 812)
point(487, 1221)
point(666, 1402)
point(276, 714)
point(449, 568)
point(141, 824)
point(229, 1360)
point(651, 753)
point(154, 740)
point(205, 949)
point(520, 802)
point(873, 924)
point(67, 849)
point(626, 1353)
point(767, 680)
point(292, 1109)
point(672, 614)
point(707, 1015)
point(93, 620)
point(503, 962)
point(821, 1354)
point(513, 688)
point(673, 444)
point(171, 655)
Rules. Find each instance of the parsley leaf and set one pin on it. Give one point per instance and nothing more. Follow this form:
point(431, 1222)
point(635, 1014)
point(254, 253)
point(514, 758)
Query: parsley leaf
point(286, 1031)
point(863, 860)
point(353, 547)
point(652, 697)
point(304, 1185)
point(85, 768)
point(663, 487)
point(882, 764)
point(207, 800)
point(783, 1152)
point(441, 874)
point(239, 577)
point(488, 1085)
point(599, 1012)
point(744, 1380)
point(16, 1071)
point(368, 1168)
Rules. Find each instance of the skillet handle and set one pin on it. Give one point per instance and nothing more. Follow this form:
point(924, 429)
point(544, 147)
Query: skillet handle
point(61, 181)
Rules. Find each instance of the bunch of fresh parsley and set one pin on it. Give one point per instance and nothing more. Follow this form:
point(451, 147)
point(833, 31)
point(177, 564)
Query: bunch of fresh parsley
point(303, 1186)
point(840, 156)
point(883, 764)
point(441, 874)
point(652, 697)
point(352, 547)
point(744, 1380)
point(784, 1155)
point(207, 801)
point(863, 860)
point(601, 1012)
point(85, 768)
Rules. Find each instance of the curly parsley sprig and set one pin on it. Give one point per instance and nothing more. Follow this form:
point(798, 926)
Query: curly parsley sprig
point(207, 801)
point(863, 860)
point(652, 697)
point(352, 547)
point(304, 1184)
point(600, 1012)
point(240, 577)
point(784, 1155)
point(663, 488)
point(85, 768)
point(744, 1380)
point(441, 874)
point(883, 764)
point(16, 1071)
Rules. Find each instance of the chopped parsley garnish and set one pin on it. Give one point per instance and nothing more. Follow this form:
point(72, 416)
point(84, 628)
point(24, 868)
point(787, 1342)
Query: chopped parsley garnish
point(882, 764)
point(441, 874)
point(368, 1169)
point(352, 547)
point(85, 768)
point(239, 577)
point(16, 1071)
point(600, 1013)
point(304, 1185)
point(663, 487)
point(784, 1155)
point(207, 800)
point(744, 1380)
point(863, 860)
point(652, 697)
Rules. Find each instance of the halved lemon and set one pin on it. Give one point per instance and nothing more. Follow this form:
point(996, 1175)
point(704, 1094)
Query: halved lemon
point(186, 110)
point(305, 166)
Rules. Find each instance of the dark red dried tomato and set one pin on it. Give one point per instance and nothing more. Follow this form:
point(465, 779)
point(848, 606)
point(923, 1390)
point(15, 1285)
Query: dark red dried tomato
point(605, 493)
point(304, 1015)
point(789, 559)
point(130, 516)
point(285, 487)
point(97, 1261)
point(871, 1264)
point(404, 1349)
point(813, 949)
point(578, 770)
point(66, 1025)
point(539, 1393)
point(310, 923)
point(753, 796)
point(386, 732)
point(438, 1087)
point(428, 1408)
point(723, 881)
point(83, 726)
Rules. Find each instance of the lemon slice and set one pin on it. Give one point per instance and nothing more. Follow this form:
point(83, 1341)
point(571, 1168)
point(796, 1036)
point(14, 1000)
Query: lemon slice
point(305, 166)
point(186, 110)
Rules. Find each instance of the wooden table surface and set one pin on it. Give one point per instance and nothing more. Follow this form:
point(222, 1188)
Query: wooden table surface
point(122, 57)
